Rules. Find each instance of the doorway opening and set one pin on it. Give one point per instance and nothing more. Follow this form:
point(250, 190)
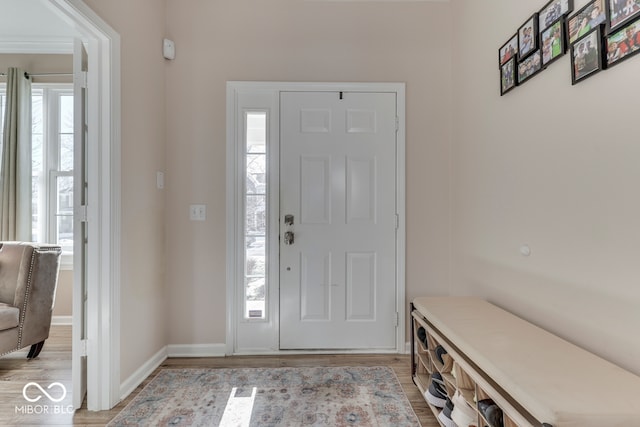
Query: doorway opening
point(100, 345)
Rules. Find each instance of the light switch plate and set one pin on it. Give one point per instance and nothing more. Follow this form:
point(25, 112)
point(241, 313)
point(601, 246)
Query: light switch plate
point(198, 212)
point(160, 180)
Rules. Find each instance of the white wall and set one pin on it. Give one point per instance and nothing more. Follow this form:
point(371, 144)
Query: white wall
point(550, 165)
point(554, 166)
point(141, 26)
point(45, 63)
point(295, 40)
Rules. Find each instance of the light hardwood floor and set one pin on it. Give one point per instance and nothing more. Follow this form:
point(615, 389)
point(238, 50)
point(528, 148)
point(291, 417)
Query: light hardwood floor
point(54, 365)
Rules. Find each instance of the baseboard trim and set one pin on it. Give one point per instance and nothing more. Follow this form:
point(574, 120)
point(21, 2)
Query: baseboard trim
point(130, 384)
point(61, 320)
point(196, 350)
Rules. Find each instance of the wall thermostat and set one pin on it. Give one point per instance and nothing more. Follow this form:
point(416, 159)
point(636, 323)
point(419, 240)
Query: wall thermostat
point(168, 49)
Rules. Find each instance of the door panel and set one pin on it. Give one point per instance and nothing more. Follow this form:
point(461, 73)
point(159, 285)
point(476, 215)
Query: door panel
point(361, 190)
point(80, 188)
point(361, 286)
point(315, 297)
point(337, 179)
point(315, 206)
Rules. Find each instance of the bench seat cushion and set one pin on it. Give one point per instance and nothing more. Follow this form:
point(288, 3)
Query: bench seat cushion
point(9, 316)
point(557, 382)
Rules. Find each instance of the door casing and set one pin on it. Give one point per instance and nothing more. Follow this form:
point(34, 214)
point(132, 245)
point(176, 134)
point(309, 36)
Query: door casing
point(104, 196)
point(269, 94)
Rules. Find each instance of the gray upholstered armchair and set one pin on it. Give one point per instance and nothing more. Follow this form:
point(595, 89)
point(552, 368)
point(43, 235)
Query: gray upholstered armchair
point(28, 280)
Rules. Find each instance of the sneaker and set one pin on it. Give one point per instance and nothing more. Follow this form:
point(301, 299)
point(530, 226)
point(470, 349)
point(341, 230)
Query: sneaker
point(491, 412)
point(436, 394)
point(440, 351)
point(463, 414)
point(422, 336)
point(445, 415)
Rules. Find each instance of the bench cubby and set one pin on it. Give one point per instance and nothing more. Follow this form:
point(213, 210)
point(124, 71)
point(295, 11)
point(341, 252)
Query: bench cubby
point(534, 377)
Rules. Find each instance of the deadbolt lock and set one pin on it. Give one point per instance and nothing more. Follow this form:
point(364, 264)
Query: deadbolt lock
point(288, 220)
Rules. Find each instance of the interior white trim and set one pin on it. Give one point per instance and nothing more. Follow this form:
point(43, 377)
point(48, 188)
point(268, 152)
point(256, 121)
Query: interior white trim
point(37, 45)
point(104, 274)
point(196, 350)
point(61, 320)
point(172, 350)
point(142, 373)
point(234, 221)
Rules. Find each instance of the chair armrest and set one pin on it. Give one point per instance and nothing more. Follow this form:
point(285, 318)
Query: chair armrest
point(37, 285)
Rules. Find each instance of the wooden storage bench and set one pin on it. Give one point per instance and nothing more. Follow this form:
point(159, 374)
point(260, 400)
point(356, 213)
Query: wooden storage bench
point(535, 377)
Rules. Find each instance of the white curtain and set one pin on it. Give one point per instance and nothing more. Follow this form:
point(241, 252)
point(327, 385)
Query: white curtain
point(15, 167)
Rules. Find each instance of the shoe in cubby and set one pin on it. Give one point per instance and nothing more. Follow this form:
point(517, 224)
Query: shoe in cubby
point(436, 394)
point(442, 361)
point(491, 412)
point(422, 337)
point(463, 414)
point(445, 415)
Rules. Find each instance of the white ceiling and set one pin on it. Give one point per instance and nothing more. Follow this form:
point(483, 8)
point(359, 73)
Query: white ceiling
point(33, 26)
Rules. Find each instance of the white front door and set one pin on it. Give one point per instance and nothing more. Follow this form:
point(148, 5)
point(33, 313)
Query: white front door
point(338, 220)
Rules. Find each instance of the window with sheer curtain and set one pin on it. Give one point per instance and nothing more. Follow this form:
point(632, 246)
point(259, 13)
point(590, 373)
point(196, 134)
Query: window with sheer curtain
point(52, 165)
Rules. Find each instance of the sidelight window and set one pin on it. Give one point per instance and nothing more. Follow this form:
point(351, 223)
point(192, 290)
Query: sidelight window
point(255, 224)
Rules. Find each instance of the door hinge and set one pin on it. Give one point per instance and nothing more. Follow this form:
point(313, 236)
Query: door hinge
point(397, 123)
point(82, 78)
point(397, 221)
point(83, 348)
point(81, 213)
point(397, 319)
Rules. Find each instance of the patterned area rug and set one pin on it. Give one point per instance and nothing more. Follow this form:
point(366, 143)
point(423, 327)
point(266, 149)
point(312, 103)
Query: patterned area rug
point(353, 396)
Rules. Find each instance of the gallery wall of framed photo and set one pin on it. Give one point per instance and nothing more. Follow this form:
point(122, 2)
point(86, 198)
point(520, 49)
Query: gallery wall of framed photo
point(600, 35)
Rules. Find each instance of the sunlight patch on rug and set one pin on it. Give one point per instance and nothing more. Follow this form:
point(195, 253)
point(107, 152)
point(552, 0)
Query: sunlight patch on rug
point(349, 396)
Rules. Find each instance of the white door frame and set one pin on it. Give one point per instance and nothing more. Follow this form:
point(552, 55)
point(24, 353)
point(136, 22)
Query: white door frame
point(103, 209)
point(235, 221)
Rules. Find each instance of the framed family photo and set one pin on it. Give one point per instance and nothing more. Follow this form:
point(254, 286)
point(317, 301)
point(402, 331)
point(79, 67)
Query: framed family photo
point(529, 67)
point(552, 42)
point(509, 50)
point(508, 76)
point(553, 11)
point(623, 44)
point(586, 19)
point(621, 12)
point(528, 37)
point(586, 56)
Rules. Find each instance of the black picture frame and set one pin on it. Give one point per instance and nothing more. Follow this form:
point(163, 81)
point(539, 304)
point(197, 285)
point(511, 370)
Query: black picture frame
point(508, 50)
point(587, 55)
point(528, 36)
point(552, 11)
point(553, 42)
point(531, 66)
point(623, 44)
point(620, 12)
point(508, 77)
point(584, 20)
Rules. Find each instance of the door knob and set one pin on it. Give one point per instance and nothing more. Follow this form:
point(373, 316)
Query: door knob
point(288, 238)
